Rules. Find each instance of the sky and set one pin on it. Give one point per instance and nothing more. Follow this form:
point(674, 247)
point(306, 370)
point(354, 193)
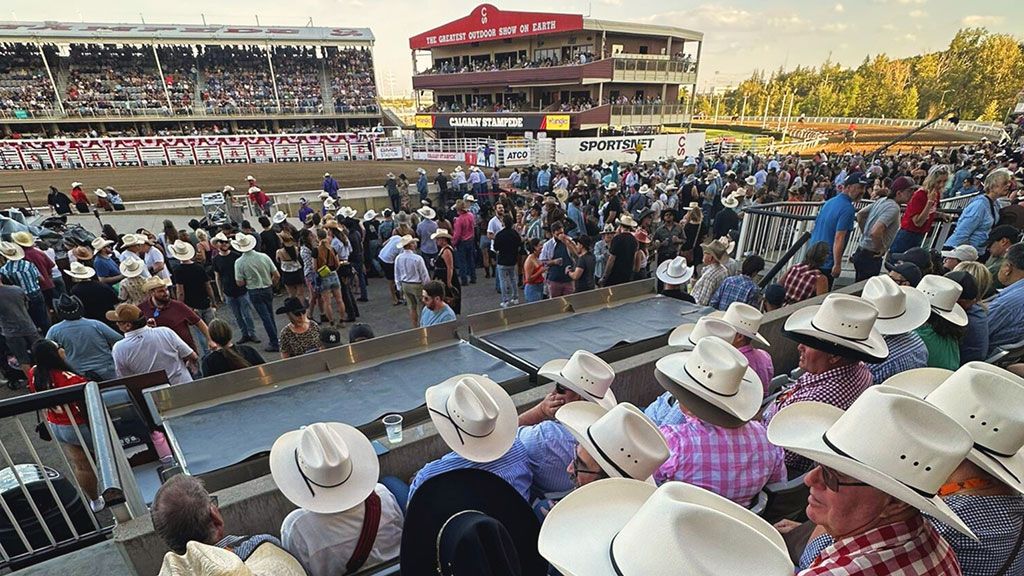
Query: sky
point(740, 36)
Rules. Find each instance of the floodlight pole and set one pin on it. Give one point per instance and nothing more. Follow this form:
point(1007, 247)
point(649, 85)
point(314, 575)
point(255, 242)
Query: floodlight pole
point(954, 117)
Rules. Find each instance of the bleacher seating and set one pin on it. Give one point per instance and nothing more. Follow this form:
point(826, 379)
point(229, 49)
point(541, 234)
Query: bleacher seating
point(297, 72)
point(352, 82)
point(179, 67)
point(24, 85)
point(98, 88)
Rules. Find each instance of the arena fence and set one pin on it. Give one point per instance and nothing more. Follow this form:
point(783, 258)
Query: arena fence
point(989, 129)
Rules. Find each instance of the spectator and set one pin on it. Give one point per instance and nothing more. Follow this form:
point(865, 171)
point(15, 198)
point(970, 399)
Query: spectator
point(973, 277)
point(998, 243)
point(905, 274)
point(740, 288)
point(557, 255)
point(16, 325)
point(104, 263)
point(172, 314)
point(132, 288)
point(225, 356)
point(19, 272)
point(435, 310)
point(583, 272)
point(805, 280)
point(901, 310)
point(410, 277)
point(945, 328)
point(622, 260)
point(533, 272)
point(330, 185)
point(86, 342)
point(508, 244)
point(301, 335)
point(674, 274)
point(879, 222)
point(644, 448)
point(921, 210)
point(256, 272)
point(982, 213)
point(146, 349)
point(713, 272)
point(954, 256)
point(1006, 310)
point(445, 270)
point(835, 222)
point(97, 297)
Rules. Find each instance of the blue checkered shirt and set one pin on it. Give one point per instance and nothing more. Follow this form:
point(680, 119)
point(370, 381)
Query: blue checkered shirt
point(664, 411)
point(906, 352)
point(23, 273)
point(550, 448)
point(513, 468)
point(740, 288)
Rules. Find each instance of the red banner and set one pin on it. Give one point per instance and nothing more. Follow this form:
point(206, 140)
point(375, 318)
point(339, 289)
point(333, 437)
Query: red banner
point(486, 23)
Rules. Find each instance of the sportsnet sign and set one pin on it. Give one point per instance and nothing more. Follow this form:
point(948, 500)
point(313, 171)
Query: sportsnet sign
point(624, 148)
point(486, 23)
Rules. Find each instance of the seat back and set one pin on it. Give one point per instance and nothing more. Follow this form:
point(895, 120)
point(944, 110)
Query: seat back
point(760, 503)
point(786, 500)
point(1009, 354)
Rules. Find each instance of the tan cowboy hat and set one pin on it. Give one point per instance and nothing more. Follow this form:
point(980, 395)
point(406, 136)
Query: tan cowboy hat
point(243, 242)
point(427, 212)
point(132, 267)
point(80, 271)
point(674, 271)
point(279, 217)
point(206, 560)
point(686, 336)
point(626, 221)
point(23, 239)
point(82, 253)
point(181, 250)
point(11, 251)
point(988, 402)
point(750, 181)
point(441, 233)
point(731, 201)
point(585, 374)
point(714, 381)
point(745, 319)
point(99, 243)
point(900, 308)
point(324, 467)
point(129, 240)
point(942, 294)
point(619, 526)
point(562, 194)
point(623, 441)
point(474, 415)
point(154, 282)
point(406, 240)
point(888, 439)
point(841, 324)
point(369, 215)
point(716, 248)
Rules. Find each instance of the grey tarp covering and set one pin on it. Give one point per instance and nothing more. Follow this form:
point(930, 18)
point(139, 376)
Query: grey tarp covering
point(596, 331)
point(225, 434)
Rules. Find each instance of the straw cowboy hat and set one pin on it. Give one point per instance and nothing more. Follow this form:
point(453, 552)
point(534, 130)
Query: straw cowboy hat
point(182, 250)
point(623, 442)
point(325, 467)
point(129, 240)
point(427, 212)
point(406, 240)
point(243, 242)
point(714, 381)
point(942, 294)
point(745, 319)
point(731, 201)
point(220, 237)
point(329, 204)
point(618, 526)
point(626, 221)
point(842, 325)
point(279, 217)
point(561, 194)
point(100, 192)
point(323, 196)
point(347, 212)
point(249, 178)
point(227, 189)
point(716, 248)
point(750, 181)
point(612, 186)
point(327, 174)
point(154, 282)
point(686, 336)
point(206, 560)
point(80, 271)
point(584, 374)
point(474, 416)
point(76, 184)
point(441, 233)
point(674, 271)
point(132, 267)
point(888, 439)
point(900, 308)
point(369, 215)
point(11, 251)
point(99, 243)
point(23, 239)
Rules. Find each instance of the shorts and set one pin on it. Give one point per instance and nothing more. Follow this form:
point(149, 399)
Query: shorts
point(295, 278)
point(330, 282)
point(485, 243)
point(65, 433)
point(389, 270)
point(21, 347)
point(413, 293)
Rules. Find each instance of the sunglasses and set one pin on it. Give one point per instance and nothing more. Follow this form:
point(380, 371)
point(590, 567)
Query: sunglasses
point(831, 479)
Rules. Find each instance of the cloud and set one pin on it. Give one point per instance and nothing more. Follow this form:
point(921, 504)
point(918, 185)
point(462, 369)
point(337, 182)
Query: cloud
point(834, 27)
point(904, 2)
point(979, 20)
point(888, 27)
point(917, 14)
point(910, 37)
point(611, 2)
point(734, 19)
point(839, 8)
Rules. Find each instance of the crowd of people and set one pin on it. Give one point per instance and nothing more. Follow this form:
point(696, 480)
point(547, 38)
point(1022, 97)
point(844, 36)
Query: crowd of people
point(23, 81)
point(445, 66)
point(94, 88)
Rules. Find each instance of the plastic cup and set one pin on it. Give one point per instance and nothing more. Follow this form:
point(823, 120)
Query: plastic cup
point(393, 426)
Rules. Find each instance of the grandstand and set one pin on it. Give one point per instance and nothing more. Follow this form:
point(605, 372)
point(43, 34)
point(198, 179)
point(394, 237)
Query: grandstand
point(82, 79)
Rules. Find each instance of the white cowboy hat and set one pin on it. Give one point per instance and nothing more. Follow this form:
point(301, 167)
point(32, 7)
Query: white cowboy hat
point(627, 221)
point(623, 441)
point(101, 193)
point(585, 374)
point(76, 184)
point(406, 240)
point(80, 271)
point(99, 243)
point(750, 180)
point(323, 195)
point(440, 170)
point(469, 198)
point(644, 189)
point(888, 439)
point(329, 204)
point(391, 175)
point(129, 240)
point(206, 560)
point(23, 239)
point(612, 186)
point(227, 188)
point(421, 171)
point(988, 402)
point(132, 267)
point(243, 242)
point(686, 336)
point(369, 215)
point(714, 381)
point(731, 201)
point(347, 212)
point(327, 174)
point(620, 526)
point(440, 233)
point(474, 416)
point(220, 237)
point(840, 321)
point(458, 168)
point(325, 467)
point(942, 294)
point(279, 217)
point(253, 189)
point(900, 308)
point(674, 271)
point(181, 250)
point(427, 212)
point(11, 251)
point(745, 319)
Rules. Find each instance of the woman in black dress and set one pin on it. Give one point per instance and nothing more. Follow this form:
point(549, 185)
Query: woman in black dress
point(444, 269)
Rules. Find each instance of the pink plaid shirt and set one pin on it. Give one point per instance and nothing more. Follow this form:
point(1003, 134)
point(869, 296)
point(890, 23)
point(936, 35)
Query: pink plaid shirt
point(911, 548)
point(733, 462)
point(800, 282)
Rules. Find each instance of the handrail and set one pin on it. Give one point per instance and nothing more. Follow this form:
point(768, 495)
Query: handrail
point(774, 270)
point(109, 481)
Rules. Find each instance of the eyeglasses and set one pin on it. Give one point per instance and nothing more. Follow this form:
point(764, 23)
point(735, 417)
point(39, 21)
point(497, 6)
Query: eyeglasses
point(577, 467)
point(214, 500)
point(831, 479)
point(559, 389)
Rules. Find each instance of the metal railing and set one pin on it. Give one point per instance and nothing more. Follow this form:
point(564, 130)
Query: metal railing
point(991, 129)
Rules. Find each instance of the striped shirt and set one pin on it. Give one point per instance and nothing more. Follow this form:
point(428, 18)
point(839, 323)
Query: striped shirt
point(710, 279)
point(906, 352)
point(244, 546)
point(513, 467)
point(23, 273)
point(550, 447)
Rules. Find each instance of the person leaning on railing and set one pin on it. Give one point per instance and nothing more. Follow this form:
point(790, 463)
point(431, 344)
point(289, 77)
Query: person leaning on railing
point(921, 211)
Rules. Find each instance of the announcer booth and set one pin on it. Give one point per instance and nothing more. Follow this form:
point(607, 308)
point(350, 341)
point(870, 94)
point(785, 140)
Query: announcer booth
point(506, 73)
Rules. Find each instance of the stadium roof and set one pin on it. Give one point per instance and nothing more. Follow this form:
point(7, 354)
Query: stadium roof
point(126, 33)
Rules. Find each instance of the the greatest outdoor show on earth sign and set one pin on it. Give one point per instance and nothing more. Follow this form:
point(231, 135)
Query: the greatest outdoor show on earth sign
point(487, 23)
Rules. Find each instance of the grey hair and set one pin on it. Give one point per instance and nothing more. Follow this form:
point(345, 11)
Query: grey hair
point(182, 513)
point(997, 177)
point(1015, 256)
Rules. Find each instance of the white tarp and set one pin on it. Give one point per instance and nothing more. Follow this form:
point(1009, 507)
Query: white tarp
point(623, 148)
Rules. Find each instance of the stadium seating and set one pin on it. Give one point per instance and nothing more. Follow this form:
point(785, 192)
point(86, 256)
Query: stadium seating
point(24, 85)
point(96, 88)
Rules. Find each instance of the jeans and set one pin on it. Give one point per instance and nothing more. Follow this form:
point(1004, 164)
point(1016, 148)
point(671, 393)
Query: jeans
point(533, 292)
point(905, 240)
point(240, 308)
point(38, 312)
point(464, 260)
point(207, 315)
point(866, 263)
point(398, 488)
point(509, 282)
point(360, 271)
point(263, 302)
point(396, 203)
point(374, 249)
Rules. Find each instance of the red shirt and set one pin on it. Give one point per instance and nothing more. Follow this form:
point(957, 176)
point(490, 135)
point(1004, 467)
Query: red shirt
point(176, 316)
point(60, 379)
point(259, 198)
point(43, 263)
point(78, 196)
point(916, 205)
point(463, 228)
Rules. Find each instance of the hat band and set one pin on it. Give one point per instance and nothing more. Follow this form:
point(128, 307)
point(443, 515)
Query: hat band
point(893, 317)
point(310, 483)
point(947, 310)
point(605, 456)
point(996, 456)
point(458, 429)
point(440, 534)
point(837, 450)
point(701, 384)
point(843, 336)
point(611, 556)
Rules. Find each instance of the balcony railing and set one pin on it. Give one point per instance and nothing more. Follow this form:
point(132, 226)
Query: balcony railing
point(72, 113)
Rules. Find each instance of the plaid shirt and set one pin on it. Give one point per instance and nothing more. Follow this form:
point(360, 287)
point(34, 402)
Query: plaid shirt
point(740, 288)
point(910, 548)
point(733, 462)
point(800, 282)
point(838, 387)
point(906, 352)
point(23, 273)
point(710, 279)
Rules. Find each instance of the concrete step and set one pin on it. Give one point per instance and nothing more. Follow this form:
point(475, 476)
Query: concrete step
point(103, 559)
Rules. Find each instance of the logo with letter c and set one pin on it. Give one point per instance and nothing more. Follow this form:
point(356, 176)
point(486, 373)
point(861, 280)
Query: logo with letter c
point(483, 15)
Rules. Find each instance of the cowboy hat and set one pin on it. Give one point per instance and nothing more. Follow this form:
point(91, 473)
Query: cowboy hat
point(469, 198)
point(23, 239)
point(988, 402)
point(686, 336)
point(243, 242)
point(369, 215)
point(100, 192)
point(279, 217)
point(329, 204)
point(154, 282)
point(440, 170)
point(427, 212)
point(750, 181)
point(745, 319)
point(391, 175)
point(76, 184)
point(642, 237)
point(181, 250)
point(626, 221)
point(716, 248)
point(469, 521)
point(620, 526)
point(249, 178)
point(888, 439)
point(227, 189)
point(842, 325)
point(132, 267)
point(11, 251)
point(731, 201)
point(99, 243)
point(608, 229)
point(421, 171)
point(714, 381)
point(674, 271)
point(474, 416)
point(585, 374)
point(900, 308)
point(327, 174)
point(612, 186)
point(129, 240)
point(80, 271)
point(561, 194)
point(325, 467)
point(623, 442)
point(323, 195)
point(220, 237)
point(942, 294)
point(254, 189)
point(440, 233)
point(347, 212)
point(206, 560)
point(406, 240)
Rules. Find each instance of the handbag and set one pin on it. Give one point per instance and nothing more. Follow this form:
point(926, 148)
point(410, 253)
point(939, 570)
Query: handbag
point(42, 430)
point(324, 271)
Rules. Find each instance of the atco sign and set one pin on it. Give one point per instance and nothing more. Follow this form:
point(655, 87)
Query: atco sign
point(516, 157)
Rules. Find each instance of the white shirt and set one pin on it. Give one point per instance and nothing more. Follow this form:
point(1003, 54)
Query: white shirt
point(151, 349)
point(410, 269)
point(494, 226)
point(153, 257)
point(324, 543)
point(390, 250)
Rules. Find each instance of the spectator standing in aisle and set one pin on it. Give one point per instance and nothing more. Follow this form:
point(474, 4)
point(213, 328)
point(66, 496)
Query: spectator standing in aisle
point(879, 223)
point(622, 262)
point(410, 276)
point(194, 287)
point(18, 272)
point(330, 186)
point(421, 184)
point(169, 313)
point(19, 332)
point(86, 342)
point(41, 261)
point(255, 272)
point(58, 202)
point(435, 309)
point(146, 349)
point(425, 230)
point(391, 186)
point(97, 297)
point(463, 236)
point(835, 222)
point(236, 297)
point(508, 245)
point(441, 180)
point(224, 355)
point(921, 211)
